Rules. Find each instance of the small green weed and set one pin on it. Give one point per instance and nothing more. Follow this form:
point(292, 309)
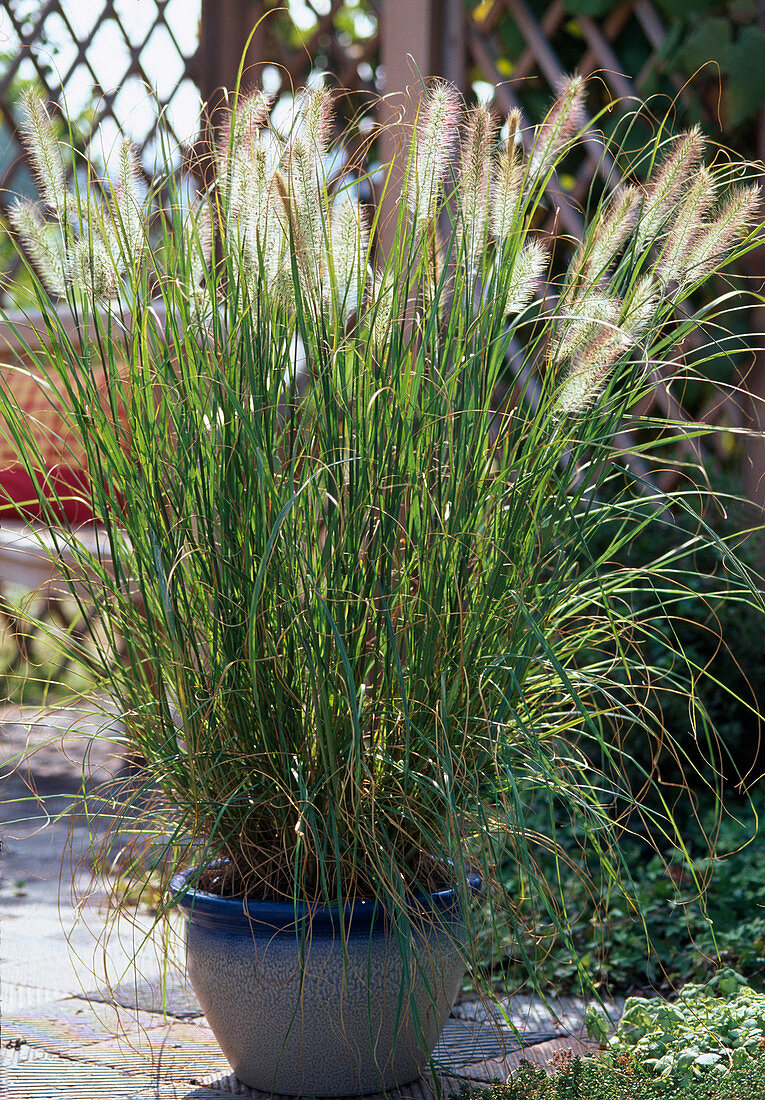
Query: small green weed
point(686, 935)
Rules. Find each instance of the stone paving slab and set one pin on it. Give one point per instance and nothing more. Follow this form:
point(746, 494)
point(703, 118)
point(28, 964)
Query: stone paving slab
point(541, 1055)
point(530, 1012)
point(171, 995)
point(38, 1075)
point(66, 1024)
point(15, 997)
point(421, 1089)
point(175, 1051)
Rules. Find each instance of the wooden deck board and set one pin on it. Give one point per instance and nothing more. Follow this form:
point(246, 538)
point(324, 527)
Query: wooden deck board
point(482, 1072)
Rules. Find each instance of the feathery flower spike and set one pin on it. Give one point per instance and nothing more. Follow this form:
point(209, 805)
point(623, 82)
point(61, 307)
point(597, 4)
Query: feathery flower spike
point(248, 208)
point(665, 189)
point(92, 269)
point(565, 117)
point(349, 238)
point(380, 309)
point(641, 306)
point(44, 153)
point(589, 373)
point(716, 240)
point(43, 243)
point(127, 206)
point(530, 265)
point(684, 228)
point(250, 114)
point(435, 142)
point(587, 317)
point(306, 193)
point(506, 191)
point(473, 189)
point(610, 232)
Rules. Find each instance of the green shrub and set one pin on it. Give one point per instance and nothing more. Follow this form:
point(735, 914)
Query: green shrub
point(709, 1030)
point(599, 1079)
point(702, 908)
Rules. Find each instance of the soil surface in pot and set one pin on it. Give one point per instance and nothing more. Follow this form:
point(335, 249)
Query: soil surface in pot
point(272, 881)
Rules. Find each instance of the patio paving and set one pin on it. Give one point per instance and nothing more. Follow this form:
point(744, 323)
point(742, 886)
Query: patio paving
point(78, 1020)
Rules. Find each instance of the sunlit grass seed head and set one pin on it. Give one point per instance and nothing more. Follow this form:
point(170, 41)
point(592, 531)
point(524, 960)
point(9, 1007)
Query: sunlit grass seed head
point(609, 234)
point(91, 268)
point(44, 151)
point(684, 226)
point(591, 368)
point(379, 310)
point(44, 242)
point(565, 118)
point(641, 306)
point(128, 204)
point(247, 186)
point(240, 132)
point(249, 117)
point(473, 190)
point(667, 185)
point(347, 259)
point(303, 172)
point(507, 191)
point(584, 316)
point(313, 120)
point(713, 242)
point(528, 271)
point(436, 139)
point(250, 204)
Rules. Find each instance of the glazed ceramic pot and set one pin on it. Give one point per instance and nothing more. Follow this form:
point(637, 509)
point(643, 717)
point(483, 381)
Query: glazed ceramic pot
point(320, 1002)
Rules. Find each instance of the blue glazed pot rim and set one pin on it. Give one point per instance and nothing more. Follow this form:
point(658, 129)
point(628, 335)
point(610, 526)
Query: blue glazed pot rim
point(234, 912)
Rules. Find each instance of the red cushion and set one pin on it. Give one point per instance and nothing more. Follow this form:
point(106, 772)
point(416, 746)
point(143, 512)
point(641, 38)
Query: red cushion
point(19, 497)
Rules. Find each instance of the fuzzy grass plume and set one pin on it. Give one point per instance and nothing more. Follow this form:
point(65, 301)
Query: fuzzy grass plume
point(91, 243)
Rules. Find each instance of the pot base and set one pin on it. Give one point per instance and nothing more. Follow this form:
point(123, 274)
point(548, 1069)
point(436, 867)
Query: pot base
point(311, 1010)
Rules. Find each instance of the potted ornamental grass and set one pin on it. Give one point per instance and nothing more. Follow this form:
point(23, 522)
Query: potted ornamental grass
point(363, 511)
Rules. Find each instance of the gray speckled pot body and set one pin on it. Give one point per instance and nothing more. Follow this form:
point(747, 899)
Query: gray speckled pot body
point(298, 1012)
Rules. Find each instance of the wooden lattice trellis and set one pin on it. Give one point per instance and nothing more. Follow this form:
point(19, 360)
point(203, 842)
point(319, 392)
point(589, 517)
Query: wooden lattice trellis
point(542, 59)
point(106, 59)
point(538, 64)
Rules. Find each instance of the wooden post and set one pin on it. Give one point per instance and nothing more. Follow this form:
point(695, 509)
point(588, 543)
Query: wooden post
point(754, 404)
point(225, 26)
point(418, 39)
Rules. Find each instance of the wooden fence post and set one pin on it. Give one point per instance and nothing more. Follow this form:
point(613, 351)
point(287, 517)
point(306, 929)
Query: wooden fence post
point(225, 26)
point(418, 39)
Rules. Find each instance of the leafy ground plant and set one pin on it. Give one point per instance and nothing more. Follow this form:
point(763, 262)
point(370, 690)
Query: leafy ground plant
point(370, 612)
point(685, 933)
point(620, 1079)
point(708, 1030)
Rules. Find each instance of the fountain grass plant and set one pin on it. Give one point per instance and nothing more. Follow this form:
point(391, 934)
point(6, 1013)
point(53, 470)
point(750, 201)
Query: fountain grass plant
point(367, 613)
